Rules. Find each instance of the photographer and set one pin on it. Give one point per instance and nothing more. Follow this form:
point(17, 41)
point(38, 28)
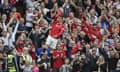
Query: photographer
point(112, 61)
point(43, 49)
point(93, 59)
point(85, 63)
point(44, 62)
point(76, 62)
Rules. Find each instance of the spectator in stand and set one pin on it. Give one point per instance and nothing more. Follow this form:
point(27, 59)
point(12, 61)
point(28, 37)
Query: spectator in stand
point(3, 55)
point(29, 18)
point(58, 58)
point(76, 67)
point(85, 63)
point(35, 67)
point(101, 63)
point(43, 49)
point(66, 67)
point(14, 12)
point(113, 59)
point(5, 8)
point(21, 28)
point(93, 59)
point(60, 35)
point(4, 22)
point(44, 61)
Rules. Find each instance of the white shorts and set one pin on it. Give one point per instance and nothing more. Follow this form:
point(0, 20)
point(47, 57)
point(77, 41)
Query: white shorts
point(51, 42)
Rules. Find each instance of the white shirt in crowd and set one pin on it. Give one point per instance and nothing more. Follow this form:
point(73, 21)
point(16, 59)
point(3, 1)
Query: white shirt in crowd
point(8, 40)
point(29, 17)
point(97, 52)
point(4, 26)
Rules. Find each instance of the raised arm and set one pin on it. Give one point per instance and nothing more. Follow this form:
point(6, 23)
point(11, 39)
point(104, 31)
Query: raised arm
point(60, 11)
point(73, 4)
point(116, 52)
point(15, 30)
point(11, 20)
point(4, 27)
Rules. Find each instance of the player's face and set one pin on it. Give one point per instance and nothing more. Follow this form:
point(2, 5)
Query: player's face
point(59, 19)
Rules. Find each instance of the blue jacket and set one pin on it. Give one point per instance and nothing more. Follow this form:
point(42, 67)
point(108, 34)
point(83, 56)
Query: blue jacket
point(39, 51)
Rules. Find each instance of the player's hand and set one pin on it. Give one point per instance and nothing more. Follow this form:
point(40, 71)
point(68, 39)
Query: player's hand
point(61, 9)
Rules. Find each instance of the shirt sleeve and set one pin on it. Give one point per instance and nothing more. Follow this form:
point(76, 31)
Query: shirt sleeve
point(15, 30)
point(64, 53)
point(56, 16)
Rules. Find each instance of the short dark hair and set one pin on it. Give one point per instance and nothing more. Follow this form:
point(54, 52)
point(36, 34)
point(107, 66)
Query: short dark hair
point(43, 43)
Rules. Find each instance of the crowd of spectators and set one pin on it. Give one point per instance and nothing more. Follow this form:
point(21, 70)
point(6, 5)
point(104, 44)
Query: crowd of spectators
point(59, 35)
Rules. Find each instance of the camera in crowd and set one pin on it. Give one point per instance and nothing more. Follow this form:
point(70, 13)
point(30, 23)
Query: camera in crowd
point(8, 50)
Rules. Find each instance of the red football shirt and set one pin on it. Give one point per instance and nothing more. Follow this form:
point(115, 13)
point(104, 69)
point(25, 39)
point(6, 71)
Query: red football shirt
point(75, 49)
point(57, 28)
point(58, 62)
point(18, 16)
point(92, 33)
